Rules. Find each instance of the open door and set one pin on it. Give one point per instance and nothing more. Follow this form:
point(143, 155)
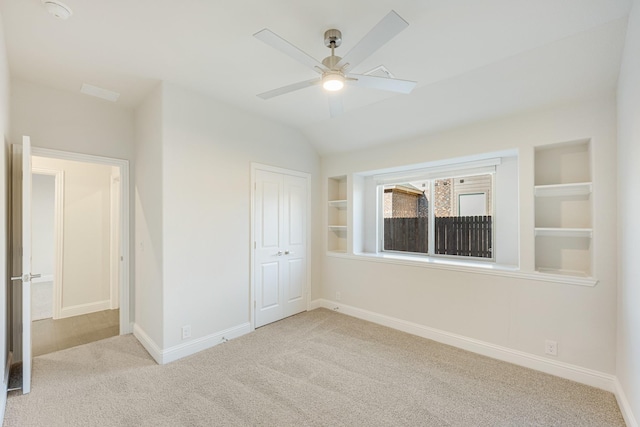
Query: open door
point(21, 261)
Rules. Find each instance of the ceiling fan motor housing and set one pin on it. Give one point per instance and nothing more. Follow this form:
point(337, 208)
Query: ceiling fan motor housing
point(331, 61)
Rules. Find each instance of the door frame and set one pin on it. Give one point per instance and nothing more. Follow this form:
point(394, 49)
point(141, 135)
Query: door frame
point(126, 326)
point(260, 166)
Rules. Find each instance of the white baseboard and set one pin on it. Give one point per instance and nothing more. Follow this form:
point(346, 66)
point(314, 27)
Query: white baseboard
point(624, 405)
point(194, 346)
point(81, 309)
point(560, 369)
point(190, 347)
point(148, 344)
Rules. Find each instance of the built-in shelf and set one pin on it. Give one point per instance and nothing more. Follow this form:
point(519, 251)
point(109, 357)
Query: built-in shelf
point(338, 227)
point(563, 206)
point(337, 214)
point(340, 204)
point(560, 190)
point(563, 232)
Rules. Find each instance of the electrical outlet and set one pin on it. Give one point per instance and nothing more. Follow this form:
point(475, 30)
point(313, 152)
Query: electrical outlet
point(551, 347)
point(338, 296)
point(186, 332)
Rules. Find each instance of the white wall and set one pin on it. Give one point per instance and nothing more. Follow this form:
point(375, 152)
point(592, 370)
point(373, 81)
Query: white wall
point(509, 312)
point(4, 175)
point(72, 122)
point(148, 218)
point(628, 369)
point(207, 150)
point(76, 123)
point(86, 255)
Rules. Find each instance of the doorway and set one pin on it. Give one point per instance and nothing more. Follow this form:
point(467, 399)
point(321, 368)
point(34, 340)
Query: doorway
point(75, 227)
point(81, 247)
point(19, 296)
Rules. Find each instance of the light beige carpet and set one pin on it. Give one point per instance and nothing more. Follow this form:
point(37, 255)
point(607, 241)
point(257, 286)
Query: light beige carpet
point(318, 368)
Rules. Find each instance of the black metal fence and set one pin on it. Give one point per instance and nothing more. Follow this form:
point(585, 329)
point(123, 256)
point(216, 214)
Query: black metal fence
point(457, 235)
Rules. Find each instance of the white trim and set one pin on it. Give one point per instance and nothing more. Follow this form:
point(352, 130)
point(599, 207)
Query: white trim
point(114, 234)
point(125, 324)
point(194, 346)
point(465, 168)
point(152, 348)
point(5, 386)
point(467, 266)
point(58, 235)
point(259, 166)
point(179, 351)
point(80, 309)
point(623, 403)
point(560, 369)
point(252, 250)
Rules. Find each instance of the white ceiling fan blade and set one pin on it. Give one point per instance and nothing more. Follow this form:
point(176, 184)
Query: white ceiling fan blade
point(382, 83)
point(289, 88)
point(274, 40)
point(390, 26)
point(335, 105)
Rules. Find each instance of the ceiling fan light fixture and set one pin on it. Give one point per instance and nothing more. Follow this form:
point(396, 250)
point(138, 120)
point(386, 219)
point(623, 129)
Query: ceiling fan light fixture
point(333, 82)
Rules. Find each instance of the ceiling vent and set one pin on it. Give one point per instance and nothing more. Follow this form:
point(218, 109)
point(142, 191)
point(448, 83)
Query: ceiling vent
point(57, 9)
point(99, 92)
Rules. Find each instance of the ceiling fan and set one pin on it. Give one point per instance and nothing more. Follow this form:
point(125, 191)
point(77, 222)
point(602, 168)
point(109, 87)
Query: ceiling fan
point(335, 71)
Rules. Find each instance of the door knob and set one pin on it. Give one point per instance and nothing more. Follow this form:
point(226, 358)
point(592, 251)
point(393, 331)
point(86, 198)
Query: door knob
point(26, 277)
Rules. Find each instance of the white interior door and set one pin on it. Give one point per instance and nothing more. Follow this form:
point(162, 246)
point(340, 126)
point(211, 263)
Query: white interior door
point(21, 260)
point(280, 254)
point(294, 260)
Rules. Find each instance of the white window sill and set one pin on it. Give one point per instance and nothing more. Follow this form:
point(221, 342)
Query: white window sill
point(469, 266)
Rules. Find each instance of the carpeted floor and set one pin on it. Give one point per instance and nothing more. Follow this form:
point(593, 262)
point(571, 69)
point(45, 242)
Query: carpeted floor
point(318, 368)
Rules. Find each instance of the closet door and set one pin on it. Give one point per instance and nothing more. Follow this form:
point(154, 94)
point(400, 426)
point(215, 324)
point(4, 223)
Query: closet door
point(280, 246)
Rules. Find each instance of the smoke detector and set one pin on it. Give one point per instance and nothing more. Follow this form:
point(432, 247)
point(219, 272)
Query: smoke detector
point(57, 9)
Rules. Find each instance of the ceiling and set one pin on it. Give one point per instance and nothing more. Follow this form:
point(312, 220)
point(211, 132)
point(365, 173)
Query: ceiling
point(473, 59)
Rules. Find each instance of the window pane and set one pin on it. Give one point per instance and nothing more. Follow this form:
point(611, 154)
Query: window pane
point(406, 217)
point(463, 216)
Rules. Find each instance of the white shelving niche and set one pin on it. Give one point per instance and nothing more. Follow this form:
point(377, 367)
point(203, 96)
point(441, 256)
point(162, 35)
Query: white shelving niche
point(337, 210)
point(563, 209)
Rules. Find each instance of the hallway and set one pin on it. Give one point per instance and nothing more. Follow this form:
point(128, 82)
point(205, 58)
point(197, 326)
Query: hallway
point(50, 335)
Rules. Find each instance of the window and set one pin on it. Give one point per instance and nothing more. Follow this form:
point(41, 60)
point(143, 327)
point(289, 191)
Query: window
point(444, 215)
